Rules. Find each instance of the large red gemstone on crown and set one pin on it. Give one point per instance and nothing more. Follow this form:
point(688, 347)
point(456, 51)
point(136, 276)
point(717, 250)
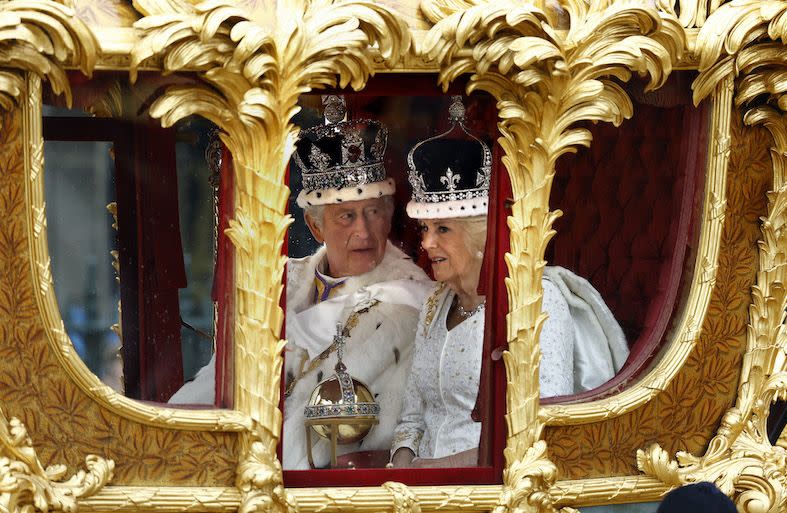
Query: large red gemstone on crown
point(353, 153)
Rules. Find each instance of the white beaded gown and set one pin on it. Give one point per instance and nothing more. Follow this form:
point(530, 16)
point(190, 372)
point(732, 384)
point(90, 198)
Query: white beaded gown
point(582, 346)
point(443, 384)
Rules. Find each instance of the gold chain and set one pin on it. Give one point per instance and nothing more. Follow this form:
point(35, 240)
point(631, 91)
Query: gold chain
point(352, 322)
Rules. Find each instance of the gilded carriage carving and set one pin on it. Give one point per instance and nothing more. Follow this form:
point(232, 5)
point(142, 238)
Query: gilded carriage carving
point(740, 458)
point(552, 67)
point(29, 485)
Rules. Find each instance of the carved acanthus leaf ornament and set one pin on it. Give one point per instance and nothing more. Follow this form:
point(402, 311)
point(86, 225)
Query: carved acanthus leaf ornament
point(404, 500)
point(745, 39)
point(550, 67)
point(41, 37)
point(26, 487)
point(251, 77)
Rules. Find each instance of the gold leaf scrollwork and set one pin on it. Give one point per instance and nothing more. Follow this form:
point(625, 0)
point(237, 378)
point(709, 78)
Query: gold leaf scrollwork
point(41, 37)
point(259, 479)
point(739, 40)
point(742, 38)
point(550, 65)
point(251, 78)
point(404, 500)
point(26, 487)
point(533, 475)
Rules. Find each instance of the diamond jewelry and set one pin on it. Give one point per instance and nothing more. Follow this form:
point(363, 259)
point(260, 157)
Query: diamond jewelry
point(428, 153)
point(465, 314)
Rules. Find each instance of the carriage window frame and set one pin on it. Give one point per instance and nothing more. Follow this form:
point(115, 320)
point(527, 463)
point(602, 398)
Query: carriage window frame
point(491, 472)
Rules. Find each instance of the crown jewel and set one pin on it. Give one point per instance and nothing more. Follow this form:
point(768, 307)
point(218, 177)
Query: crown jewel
point(335, 108)
point(450, 172)
point(342, 159)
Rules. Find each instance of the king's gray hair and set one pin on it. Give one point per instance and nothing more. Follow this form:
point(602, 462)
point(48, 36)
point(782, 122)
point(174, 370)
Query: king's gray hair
point(315, 213)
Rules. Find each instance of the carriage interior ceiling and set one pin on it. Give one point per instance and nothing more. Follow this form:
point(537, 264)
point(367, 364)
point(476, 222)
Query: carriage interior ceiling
point(236, 239)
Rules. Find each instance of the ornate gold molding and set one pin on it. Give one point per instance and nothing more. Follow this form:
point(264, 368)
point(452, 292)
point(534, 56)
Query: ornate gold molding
point(116, 44)
point(692, 13)
point(404, 499)
point(740, 459)
point(28, 486)
point(41, 37)
point(163, 499)
point(608, 490)
point(130, 499)
point(548, 69)
point(463, 498)
point(739, 40)
point(468, 498)
point(253, 76)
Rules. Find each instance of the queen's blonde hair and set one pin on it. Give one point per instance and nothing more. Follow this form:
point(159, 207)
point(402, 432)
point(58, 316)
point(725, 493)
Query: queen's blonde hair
point(474, 233)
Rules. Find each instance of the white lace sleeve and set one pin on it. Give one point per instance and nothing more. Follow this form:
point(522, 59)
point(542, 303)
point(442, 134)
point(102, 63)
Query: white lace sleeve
point(557, 345)
point(410, 430)
point(411, 426)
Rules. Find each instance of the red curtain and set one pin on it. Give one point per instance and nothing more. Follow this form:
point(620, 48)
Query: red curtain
point(489, 404)
point(159, 259)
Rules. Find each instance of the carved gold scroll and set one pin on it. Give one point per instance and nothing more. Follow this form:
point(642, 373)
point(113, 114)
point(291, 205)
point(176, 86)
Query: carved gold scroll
point(550, 66)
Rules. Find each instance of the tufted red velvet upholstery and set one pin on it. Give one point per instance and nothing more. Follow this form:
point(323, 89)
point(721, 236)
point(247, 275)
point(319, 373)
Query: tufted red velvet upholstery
point(628, 205)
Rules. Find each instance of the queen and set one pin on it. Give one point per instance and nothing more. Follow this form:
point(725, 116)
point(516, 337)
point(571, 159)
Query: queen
point(582, 345)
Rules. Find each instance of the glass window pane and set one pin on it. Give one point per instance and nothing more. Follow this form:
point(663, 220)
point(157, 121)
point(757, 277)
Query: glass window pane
point(79, 185)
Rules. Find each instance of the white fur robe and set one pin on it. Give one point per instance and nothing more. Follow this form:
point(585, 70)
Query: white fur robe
point(378, 351)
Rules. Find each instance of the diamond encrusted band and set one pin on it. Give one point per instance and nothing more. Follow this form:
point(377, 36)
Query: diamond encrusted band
point(420, 196)
point(341, 410)
point(343, 177)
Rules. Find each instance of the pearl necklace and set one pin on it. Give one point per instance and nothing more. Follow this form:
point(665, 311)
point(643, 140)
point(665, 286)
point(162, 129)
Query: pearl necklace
point(464, 314)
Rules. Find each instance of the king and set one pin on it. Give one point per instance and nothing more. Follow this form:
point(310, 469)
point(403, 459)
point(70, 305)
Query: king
point(357, 278)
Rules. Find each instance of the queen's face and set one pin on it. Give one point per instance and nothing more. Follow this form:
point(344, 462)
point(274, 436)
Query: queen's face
point(355, 234)
point(444, 241)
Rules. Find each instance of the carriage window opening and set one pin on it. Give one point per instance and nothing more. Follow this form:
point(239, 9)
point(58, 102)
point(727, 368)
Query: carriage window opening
point(135, 291)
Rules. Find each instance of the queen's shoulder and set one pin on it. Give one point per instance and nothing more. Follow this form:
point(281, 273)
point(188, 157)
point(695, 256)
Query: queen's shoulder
point(550, 287)
point(554, 301)
point(437, 290)
point(298, 263)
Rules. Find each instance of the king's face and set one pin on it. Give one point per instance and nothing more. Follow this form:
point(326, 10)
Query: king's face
point(355, 234)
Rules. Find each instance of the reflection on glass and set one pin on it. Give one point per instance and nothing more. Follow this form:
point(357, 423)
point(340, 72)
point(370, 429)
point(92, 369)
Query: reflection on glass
point(79, 185)
point(163, 190)
point(197, 214)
